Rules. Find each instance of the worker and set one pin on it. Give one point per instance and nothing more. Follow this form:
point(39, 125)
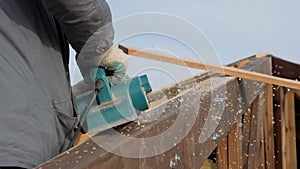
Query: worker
point(37, 113)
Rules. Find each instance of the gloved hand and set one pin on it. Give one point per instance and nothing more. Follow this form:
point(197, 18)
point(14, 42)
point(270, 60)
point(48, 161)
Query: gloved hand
point(115, 62)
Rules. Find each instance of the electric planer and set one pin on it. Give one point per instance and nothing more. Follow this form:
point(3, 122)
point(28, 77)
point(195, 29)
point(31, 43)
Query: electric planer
point(113, 105)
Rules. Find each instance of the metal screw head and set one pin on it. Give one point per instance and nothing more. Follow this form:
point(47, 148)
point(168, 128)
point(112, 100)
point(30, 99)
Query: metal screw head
point(177, 158)
point(172, 164)
point(215, 136)
point(216, 117)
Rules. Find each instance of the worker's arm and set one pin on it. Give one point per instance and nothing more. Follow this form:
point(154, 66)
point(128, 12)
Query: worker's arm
point(80, 19)
point(87, 25)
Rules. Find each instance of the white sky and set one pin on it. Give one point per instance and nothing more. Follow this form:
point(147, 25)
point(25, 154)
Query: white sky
point(237, 29)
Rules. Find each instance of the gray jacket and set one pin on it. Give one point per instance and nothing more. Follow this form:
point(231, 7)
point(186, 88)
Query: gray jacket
point(36, 109)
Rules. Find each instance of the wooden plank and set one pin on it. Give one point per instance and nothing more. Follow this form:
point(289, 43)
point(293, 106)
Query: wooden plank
point(261, 138)
point(285, 69)
point(269, 128)
point(262, 54)
point(283, 132)
point(81, 138)
point(233, 148)
point(241, 63)
point(253, 141)
point(262, 160)
point(204, 66)
point(192, 151)
point(279, 122)
point(289, 145)
point(222, 153)
point(246, 136)
point(239, 145)
point(235, 153)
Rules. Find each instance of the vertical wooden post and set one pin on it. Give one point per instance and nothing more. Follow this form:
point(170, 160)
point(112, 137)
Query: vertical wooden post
point(289, 141)
point(222, 154)
point(235, 153)
point(246, 136)
point(262, 160)
point(253, 159)
point(261, 135)
point(283, 134)
point(285, 145)
point(279, 122)
point(269, 128)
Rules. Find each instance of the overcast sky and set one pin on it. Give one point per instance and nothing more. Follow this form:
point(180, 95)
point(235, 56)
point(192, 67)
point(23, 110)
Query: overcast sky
point(236, 29)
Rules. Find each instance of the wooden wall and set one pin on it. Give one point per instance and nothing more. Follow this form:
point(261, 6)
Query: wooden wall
point(256, 127)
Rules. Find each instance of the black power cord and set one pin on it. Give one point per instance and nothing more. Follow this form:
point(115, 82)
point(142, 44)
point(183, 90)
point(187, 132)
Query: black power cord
point(98, 86)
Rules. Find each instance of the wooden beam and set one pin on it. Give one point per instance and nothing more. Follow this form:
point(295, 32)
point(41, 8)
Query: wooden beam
point(283, 132)
point(235, 153)
point(262, 160)
point(222, 153)
point(279, 122)
point(192, 151)
point(285, 69)
point(241, 63)
point(253, 153)
point(233, 148)
point(261, 136)
point(289, 143)
point(246, 136)
point(269, 128)
point(204, 66)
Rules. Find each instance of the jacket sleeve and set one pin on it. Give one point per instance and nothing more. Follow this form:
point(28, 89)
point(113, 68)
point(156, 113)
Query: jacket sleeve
point(87, 25)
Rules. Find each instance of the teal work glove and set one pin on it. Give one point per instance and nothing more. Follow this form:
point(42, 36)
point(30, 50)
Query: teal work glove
point(114, 61)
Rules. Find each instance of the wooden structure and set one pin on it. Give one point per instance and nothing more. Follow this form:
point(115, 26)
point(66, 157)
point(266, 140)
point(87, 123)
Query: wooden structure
point(255, 124)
